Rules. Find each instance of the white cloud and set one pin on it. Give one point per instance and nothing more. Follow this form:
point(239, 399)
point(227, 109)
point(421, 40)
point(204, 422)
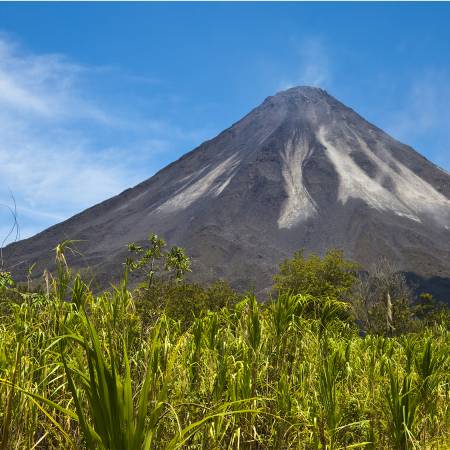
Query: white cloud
point(54, 173)
point(314, 64)
point(42, 85)
point(60, 151)
point(424, 113)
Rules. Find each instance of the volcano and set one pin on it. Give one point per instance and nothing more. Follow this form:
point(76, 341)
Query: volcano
point(300, 171)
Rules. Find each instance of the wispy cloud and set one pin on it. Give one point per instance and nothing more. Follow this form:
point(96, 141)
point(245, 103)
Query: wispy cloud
point(61, 151)
point(42, 85)
point(424, 113)
point(314, 64)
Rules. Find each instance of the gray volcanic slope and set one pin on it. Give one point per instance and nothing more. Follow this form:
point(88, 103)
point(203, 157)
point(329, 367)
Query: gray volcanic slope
point(302, 170)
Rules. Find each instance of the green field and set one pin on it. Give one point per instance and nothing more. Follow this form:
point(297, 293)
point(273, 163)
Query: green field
point(113, 371)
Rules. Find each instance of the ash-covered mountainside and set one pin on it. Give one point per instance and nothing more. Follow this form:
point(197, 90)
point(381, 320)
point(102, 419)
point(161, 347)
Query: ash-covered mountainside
point(302, 170)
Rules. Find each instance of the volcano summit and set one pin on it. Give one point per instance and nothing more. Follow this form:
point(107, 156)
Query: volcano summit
point(301, 170)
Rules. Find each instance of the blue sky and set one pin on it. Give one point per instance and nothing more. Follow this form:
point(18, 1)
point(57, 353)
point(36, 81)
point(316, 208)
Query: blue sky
point(96, 97)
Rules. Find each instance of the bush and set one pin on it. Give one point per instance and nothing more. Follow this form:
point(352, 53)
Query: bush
point(331, 276)
point(183, 301)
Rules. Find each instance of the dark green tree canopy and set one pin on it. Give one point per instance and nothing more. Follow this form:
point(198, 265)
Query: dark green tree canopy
point(331, 276)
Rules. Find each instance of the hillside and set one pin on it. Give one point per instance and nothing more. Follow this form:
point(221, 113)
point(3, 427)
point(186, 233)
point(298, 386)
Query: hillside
point(301, 170)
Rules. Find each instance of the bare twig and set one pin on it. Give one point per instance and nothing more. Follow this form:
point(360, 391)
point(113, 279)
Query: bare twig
point(14, 228)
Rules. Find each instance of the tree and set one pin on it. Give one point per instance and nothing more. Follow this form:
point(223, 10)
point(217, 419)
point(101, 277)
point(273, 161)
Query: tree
point(431, 311)
point(382, 299)
point(331, 276)
point(154, 259)
point(183, 301)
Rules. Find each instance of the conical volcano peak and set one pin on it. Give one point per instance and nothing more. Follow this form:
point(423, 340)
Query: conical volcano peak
point(301, 95)
point(310, 92)
point(308, 104)
point(301, 170)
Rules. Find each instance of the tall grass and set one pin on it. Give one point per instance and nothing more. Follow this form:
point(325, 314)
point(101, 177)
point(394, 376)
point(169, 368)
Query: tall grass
point(79, 370)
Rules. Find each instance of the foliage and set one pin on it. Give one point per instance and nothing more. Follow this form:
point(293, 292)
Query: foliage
point(79, 370)
point(430, 311)
point(382, 300)
point(331, 276)
point(154, 259)
point(383, 303)
point(182, 301)
point(6, 280)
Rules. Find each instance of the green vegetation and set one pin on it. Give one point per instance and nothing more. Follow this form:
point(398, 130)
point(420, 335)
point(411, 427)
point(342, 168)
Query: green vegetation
point(154, 260)
point(331, 276)
point(176, 365)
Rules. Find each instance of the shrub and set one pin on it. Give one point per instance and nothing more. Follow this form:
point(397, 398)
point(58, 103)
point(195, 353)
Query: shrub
point(331, 276)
